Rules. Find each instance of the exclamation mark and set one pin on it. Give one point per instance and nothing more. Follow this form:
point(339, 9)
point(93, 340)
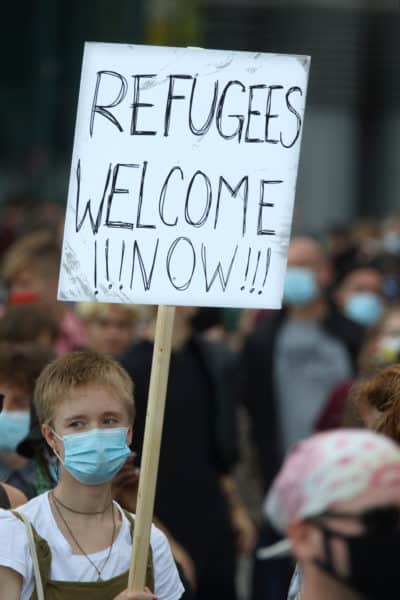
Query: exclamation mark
point(107, 269)
point(121, 264)
point(267, 263)
point(255, 272)
point(96, 291)
point(247, 268)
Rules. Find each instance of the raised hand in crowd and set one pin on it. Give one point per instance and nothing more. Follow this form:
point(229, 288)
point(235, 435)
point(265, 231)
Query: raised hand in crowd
point(243, 526)
point(125, 484)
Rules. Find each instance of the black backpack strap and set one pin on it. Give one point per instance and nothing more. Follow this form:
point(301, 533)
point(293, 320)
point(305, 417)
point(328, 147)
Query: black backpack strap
point(150, 566)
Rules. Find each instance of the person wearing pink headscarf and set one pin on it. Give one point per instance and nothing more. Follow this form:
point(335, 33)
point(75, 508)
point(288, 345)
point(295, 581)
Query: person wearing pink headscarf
point(337, 501)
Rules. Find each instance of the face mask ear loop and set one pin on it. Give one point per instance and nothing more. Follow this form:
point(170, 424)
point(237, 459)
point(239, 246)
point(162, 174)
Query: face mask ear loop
point(57, 455)
point(327, 546)
point(328, 555)
point(327, 564)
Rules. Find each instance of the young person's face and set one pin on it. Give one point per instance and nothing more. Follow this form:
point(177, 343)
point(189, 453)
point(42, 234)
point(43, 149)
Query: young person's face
point(111, 332)
point(32, 281)
point(87, 407)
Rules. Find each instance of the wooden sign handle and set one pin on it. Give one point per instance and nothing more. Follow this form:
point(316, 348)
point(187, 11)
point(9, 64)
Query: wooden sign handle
point(151, 447)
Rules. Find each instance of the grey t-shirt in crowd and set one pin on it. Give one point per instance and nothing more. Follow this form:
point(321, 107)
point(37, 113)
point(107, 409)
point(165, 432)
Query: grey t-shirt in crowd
point(309, 362)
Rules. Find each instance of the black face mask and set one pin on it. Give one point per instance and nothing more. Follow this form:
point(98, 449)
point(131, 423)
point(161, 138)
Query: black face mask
point(374, 569)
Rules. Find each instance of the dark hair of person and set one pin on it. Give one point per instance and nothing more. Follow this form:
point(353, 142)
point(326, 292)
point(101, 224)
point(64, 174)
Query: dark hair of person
point(21, 364)
point(23, 323)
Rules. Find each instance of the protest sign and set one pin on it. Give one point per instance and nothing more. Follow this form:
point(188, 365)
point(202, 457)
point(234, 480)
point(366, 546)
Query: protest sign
point(183, 176)
point(181, 192)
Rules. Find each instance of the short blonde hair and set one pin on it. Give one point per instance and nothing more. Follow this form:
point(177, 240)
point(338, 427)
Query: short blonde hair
point(88, 311)
point(76, 369)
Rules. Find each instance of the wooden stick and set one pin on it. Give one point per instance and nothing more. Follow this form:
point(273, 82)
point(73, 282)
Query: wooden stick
point(151, 447)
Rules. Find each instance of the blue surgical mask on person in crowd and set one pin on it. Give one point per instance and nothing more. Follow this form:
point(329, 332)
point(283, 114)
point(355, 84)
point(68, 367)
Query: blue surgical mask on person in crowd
point(364, 308)
point(14, 427)
point(300, 286)
point(95, 456)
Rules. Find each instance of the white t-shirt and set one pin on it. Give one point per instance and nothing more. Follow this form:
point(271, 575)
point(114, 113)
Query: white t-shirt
point(65, 566)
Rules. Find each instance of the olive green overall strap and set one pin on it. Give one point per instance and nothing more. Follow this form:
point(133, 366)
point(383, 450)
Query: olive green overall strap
point(41, 557)
point(150, 566)
point(33, 538)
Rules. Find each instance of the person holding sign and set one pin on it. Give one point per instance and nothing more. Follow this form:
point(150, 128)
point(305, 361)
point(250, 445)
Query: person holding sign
point(172, 207)
point(74, 540)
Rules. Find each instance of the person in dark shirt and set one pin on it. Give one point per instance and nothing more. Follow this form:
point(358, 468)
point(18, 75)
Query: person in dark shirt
point(196, 497)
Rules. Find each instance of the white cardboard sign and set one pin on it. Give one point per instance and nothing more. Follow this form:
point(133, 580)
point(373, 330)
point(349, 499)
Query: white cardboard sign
point(183, 176)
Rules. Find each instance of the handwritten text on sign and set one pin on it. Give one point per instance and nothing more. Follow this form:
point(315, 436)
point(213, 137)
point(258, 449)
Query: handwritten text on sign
point(183, 176)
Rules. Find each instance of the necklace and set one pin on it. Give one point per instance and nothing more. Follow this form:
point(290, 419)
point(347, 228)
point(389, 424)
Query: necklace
point(98, 570)
point(77, 512)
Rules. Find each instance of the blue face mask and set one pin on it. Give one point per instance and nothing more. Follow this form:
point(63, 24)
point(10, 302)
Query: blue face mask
point(300, 286)
point(52, 466)
point(14, 427)
point(95, 456)
point(364, 308)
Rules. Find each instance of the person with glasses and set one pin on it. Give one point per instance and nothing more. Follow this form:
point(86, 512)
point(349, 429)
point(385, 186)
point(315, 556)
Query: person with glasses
point(337, 501)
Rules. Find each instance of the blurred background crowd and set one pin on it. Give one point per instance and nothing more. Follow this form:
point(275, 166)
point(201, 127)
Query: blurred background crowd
point(244, 385)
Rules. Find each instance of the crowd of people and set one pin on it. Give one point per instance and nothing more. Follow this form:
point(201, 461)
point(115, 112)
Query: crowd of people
point(264, 439)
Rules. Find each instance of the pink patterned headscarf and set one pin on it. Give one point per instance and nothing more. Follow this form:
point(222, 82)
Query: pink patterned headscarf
point(328, 467)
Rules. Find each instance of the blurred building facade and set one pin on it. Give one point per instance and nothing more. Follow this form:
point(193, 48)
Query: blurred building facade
point(351, 140)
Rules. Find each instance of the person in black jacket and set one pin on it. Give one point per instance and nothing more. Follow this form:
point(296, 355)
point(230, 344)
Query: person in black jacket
point(196, 498)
